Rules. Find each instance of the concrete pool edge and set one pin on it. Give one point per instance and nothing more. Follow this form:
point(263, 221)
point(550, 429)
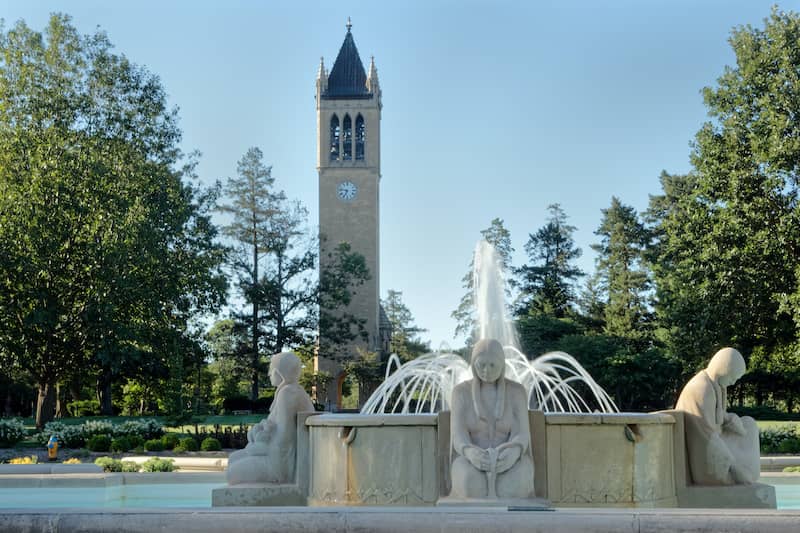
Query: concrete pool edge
point(379, 519)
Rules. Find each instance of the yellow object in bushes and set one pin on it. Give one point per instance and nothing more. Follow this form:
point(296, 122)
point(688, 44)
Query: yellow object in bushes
point(52, 448)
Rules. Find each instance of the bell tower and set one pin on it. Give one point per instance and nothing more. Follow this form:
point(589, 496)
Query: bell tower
point(348, 101)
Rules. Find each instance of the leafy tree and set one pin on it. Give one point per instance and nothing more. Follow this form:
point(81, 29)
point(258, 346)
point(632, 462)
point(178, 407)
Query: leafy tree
point(345, 271)
point(729, 243)
point(228, 364)
point(405, 340)
point(498, 236)
point(546, 283)
point(621, 272)
point(287, 287)
point(104, 248)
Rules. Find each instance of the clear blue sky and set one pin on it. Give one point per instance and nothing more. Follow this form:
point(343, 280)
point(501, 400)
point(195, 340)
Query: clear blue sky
point(490, 109)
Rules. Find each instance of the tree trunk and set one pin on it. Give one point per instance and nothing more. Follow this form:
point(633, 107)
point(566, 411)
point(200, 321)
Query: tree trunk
point(7, 408)
point(61, 404)
point(254, 376)
point(45, 404)
point(104, 393)
point(255, 296)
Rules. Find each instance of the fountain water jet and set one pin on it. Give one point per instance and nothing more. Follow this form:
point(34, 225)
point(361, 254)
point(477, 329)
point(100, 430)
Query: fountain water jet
point(552, 381)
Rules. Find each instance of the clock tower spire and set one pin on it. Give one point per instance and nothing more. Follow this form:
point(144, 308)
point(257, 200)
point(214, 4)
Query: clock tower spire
point(349, 105)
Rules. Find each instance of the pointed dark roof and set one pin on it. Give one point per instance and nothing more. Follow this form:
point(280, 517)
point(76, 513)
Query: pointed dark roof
point(347, 77)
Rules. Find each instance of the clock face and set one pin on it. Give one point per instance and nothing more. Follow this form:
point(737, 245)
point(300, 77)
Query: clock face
point(346, 190)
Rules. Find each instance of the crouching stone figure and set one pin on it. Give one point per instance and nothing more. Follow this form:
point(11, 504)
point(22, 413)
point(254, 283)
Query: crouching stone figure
point(722, 448)
point(490, 431)
point(269, 456)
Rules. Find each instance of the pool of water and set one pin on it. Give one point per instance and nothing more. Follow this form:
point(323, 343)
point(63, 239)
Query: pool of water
point(787, 490)
point(139, 495)
point(197, 493)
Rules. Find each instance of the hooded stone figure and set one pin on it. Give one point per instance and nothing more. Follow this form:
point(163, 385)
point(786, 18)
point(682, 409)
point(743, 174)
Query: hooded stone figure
point(269, 456)
point(490, 432)
point(722, 448)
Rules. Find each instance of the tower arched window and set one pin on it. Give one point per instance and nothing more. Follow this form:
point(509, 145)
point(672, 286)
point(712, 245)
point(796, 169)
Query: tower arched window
point(361, 137)
point(335, 133)
point(347, 149)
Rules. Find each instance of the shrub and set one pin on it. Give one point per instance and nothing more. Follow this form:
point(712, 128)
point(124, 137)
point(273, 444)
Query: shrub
point(189, 444)
point(138, 449)
point(121, 444)
point(130, 466)
point(772, 439)
point(210, 444)
point(792, 469)
point(136, 441)
point(109, 464)
point(99, 443)
point(790, 445)
point(146, 428)
point(96, 427)
point(68, 435)
point(12, 430)
point(154, 445)
point(237, 403)
point(170, 440)
point(84, 408)
point(179, 448)
point(156, 464)
point(27, 460)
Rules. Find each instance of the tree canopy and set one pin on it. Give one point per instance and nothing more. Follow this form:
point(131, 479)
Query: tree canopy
point(106, 247)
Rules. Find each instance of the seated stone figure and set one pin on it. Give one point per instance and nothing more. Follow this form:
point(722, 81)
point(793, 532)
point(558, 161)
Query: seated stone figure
point(269, 456)
point(490, 431)
point(722, 448)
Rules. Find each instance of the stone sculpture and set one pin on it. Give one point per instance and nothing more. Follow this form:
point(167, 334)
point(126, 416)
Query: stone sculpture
point(490, 432)
point(269, 456)
point(722, 448)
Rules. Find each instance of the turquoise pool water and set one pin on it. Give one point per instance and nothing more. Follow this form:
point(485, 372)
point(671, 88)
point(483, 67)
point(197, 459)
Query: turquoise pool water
point(139, 495)
point(787, 490)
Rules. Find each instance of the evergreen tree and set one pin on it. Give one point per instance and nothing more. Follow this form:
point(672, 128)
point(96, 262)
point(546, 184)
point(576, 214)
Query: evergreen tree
point(405, 334)
point(254, 204)
point(546, 283)
point(621, 272)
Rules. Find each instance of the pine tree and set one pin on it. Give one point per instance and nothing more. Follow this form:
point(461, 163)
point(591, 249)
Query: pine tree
point(621, 272)
point(546, 283)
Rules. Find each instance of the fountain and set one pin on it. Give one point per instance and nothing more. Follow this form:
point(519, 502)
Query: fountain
point(398, 450)
point(427, 383)
point(585, 452)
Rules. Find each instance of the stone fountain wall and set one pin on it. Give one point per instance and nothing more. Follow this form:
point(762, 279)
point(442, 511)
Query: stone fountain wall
point(605, 460)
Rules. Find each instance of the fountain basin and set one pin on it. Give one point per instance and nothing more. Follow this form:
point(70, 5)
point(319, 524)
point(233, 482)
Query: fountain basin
point(587, 460)
point(610, 460)
point(373, 459)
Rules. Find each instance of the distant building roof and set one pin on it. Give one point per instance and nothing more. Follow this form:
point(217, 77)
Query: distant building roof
point(347, 78)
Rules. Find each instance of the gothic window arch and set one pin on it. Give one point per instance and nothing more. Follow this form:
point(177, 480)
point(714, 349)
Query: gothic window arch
point(361, 137)
point(347, 134)
point(335, 133)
